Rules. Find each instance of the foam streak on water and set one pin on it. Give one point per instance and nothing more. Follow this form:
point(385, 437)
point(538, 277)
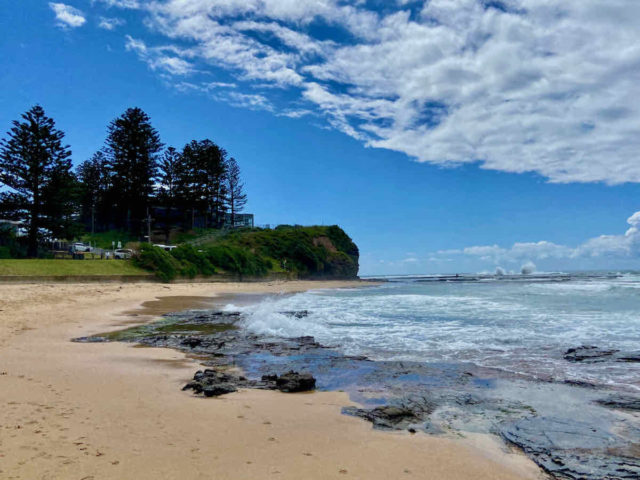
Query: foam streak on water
point(520, 324)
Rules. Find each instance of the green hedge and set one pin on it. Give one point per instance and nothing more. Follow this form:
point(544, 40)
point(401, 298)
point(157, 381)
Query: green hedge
point(158, 261)
point(187, 261)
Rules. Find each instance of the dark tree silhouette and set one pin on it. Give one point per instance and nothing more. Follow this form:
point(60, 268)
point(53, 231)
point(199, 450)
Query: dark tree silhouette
point(171, 180)
point(236, 198)
point(204, 188)
point(94, 184)
point(132, 150)
point(62, 205)
point(32, 159)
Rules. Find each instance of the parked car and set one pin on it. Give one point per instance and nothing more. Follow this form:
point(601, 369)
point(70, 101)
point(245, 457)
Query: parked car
point(80, 247)
point(122, 253)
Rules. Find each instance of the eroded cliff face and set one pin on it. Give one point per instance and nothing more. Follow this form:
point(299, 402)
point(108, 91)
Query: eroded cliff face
point(338, 263)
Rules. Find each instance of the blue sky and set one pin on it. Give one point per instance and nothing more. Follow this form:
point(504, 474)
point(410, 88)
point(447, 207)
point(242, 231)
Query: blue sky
point(444, 136)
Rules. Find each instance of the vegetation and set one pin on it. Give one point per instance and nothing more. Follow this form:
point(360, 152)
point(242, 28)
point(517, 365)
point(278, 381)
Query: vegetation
point(237, 260)
point(132, 148)
point(61, 268)
point(305, 251)
point(36, 169)
point(158, 261)
point(111, 198)
point(124, 186)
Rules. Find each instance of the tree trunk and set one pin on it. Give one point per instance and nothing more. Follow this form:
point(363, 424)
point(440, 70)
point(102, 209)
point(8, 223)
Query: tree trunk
point(32, 240)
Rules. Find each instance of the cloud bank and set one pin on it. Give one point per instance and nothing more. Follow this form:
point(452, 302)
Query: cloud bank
point(544, 86)
point(626, 246)
point(67, 16)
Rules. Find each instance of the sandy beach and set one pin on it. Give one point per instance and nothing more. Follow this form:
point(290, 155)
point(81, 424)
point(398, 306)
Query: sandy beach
point(116, 411)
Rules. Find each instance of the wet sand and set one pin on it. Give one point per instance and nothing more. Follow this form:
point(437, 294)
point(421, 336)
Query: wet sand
point(116, 411)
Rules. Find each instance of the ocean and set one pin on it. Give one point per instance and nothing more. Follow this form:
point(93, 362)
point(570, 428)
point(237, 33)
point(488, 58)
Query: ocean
point(517, 324)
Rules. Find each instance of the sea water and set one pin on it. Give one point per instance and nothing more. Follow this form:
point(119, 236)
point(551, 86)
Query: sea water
point(517, 324)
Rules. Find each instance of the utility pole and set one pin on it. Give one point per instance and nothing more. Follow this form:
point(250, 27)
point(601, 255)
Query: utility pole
point(148, 225)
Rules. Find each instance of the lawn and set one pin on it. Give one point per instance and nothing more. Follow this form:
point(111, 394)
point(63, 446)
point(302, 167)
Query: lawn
point(38, 267)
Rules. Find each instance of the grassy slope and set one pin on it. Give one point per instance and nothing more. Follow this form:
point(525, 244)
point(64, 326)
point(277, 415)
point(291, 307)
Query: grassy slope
point(300, 248)
point(38, 267)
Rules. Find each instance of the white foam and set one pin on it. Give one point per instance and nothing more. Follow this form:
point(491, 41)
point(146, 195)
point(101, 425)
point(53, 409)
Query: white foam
point(517, 326)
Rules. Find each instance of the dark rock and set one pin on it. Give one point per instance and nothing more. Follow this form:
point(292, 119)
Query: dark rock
point(216, 390)
point(621, 402)
point(592, 354)
point(571, 449)
point(581, 384)
point(296, 313)
point(295, 382)
point(589, 354)
point(192, 342)
point(94, 339)
point(628, 357)
point(213, 383)
point(387, 418)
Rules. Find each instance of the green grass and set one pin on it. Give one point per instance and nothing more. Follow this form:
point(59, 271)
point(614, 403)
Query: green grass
point(38, 267)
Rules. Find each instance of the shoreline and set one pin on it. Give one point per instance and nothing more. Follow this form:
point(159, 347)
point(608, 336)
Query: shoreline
point(116, 411)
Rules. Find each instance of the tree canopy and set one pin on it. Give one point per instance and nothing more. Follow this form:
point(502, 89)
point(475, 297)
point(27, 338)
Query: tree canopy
point(126, 182)
point(35, 167)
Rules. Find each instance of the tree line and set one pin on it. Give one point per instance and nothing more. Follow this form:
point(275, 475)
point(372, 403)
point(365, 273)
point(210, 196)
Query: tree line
point(132, 177)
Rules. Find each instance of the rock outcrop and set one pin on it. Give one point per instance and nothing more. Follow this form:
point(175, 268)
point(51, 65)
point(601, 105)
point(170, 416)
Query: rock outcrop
point(593, 354)
point(213, 382)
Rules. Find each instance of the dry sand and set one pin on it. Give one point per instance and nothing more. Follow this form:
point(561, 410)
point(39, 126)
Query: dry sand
point(116, 411)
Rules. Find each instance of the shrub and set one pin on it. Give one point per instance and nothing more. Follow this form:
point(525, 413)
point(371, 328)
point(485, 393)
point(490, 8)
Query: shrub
point(158, 261)
point(188, 269)
point(187, 254)
point(237, 260)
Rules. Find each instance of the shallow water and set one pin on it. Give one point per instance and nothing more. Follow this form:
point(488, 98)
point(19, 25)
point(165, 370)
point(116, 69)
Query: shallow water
point(519, 324)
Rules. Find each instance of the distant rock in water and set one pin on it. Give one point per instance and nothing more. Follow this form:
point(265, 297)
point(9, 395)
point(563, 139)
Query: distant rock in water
point(593, 354)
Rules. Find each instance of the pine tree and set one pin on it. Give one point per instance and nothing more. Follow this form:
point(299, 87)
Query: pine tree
point(32, 159)
point(204, 187)
point(132, 150)
point(94, 185)
point(236, 197)
point(62, 205)
point(170, 180)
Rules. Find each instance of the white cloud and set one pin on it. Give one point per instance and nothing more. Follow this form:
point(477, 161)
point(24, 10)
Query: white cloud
point(110, 23)
point(544, 86)
point(67, 16)
point(604, 246)
point(130, 4)
point(222, 91)
point(160, 58)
